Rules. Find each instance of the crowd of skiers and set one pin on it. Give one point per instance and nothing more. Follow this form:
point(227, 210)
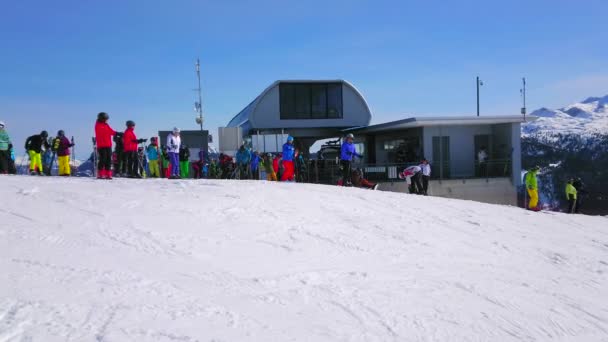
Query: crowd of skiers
point(574, 190)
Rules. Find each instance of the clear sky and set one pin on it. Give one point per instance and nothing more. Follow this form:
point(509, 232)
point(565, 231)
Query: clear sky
point(61, 62)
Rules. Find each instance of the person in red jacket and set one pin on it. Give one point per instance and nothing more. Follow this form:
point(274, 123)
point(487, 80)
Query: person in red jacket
point(103, 141)
point(130, 149)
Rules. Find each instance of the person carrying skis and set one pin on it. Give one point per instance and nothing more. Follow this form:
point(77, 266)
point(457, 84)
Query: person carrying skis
point(33, 146)
point(348, 152)
point(532, 188)
point(5, 142)
point(243, 158)
point(412, 176)
point(103, 141)
point(288, 156)
point(173, 143)
point(184, 161)
point(153, 153)
point(571, 196)
point(63, 145)
point(426, 176)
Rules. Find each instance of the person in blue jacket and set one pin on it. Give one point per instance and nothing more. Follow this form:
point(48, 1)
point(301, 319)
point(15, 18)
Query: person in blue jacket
point(289, 153)
point(255, 163)
point(347, 153)
point(243, 158)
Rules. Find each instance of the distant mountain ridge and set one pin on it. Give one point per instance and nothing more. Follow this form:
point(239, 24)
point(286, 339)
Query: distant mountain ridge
point(585, 118)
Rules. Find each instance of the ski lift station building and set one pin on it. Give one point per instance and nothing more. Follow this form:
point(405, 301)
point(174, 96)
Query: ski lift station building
point(311, 110)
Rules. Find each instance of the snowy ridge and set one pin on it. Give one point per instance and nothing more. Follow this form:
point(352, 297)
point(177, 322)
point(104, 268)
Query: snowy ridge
point(586, 118)
point(258, 261)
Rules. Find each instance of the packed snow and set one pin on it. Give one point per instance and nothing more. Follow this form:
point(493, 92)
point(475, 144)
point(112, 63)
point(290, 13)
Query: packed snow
point(585, 118)
point(159, 260)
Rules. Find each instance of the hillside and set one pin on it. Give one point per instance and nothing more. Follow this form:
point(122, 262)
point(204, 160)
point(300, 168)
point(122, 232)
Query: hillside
point(146, 260)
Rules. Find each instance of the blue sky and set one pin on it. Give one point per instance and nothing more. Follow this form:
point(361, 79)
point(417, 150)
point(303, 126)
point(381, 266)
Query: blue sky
point(62, 62)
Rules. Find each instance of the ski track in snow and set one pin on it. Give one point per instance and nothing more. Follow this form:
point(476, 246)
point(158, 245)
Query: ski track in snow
point(257, 261)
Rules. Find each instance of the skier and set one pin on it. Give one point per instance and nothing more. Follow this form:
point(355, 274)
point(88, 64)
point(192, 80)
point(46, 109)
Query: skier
point(270, 174)
point(119, 158)
point(412, 176)
point(359, 181)
point(142, 162)
point(152, 152)
point(426, 176)
point(532, 188)
point(103, 141)
point(184, 161)
point(571, 196)
point(173, 143)
point(129, 140)
point(243, 158)
point(482, 159)
point(301, 172)
point(276, 166)
point(581, 191)
point(33, 146)
point(214, 172)
point(12, 168)
point(5, 142)
point(63, 153)
point(288, 156)
point(255, 163)
point(348, 152)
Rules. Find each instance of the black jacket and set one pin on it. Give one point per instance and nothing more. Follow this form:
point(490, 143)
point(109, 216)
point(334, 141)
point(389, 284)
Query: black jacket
point(35, 143)
point(184, 154)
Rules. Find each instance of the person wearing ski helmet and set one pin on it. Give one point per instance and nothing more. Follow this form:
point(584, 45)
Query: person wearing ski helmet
point(153, 156)
point(62, 145)
point(129, 140)
point(571, 195)
point(348, 152)
point(184, 161)
point(288, 156)
point(532, 188)
point(34, 145)
point(5, 142)
point(103, 142)
point(173, 143)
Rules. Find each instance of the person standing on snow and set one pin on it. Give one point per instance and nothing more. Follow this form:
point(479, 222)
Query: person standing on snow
point(571, 196)
point(580, 193)
point(184, 161)
point(173, 143)
point(103, 141)
point(532, 188)
point(289, 153)
point(426, 176)
point(152, 152)
point(348, 152)
point(129, 140)
point(63, 154)
point(34, 145)
point(243, 159)
point(255, 163)
point(5, 142)
point(482, 159)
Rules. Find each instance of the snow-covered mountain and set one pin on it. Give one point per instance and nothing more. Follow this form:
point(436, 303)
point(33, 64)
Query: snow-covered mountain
point(586, 118)
point(159, 260)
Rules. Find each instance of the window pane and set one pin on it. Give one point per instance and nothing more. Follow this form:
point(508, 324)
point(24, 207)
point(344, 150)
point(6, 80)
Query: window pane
point(319, 101)
point(302, 109)
point(334, 101)
point(287, 99)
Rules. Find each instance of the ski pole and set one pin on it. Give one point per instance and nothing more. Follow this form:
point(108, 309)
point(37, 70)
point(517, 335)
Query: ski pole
point(73, 155)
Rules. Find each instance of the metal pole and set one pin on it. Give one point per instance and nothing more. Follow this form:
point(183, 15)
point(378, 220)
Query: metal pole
point(477, 95)
point(200, 101)
point(524, 109)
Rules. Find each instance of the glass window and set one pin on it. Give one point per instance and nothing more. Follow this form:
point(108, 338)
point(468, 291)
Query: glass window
point(319, 101)
point(334, 101)
point(390, 145)
point(310, 100)
point(288, 101)
point(302, 108)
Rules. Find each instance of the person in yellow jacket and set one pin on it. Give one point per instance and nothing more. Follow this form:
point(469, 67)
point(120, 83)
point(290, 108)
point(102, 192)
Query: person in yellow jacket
point(571, 195)
point(532, 188)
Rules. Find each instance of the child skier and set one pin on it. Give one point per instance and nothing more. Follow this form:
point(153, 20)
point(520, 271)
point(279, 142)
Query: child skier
point(63, 153)
point(152, 152)
point(129, 140)
point(268, 166)
point(33, 146)
point(103, 141)
point(184, 161)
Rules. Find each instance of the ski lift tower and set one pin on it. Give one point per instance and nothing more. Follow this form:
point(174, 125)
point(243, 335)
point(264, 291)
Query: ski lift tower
point(198, 105)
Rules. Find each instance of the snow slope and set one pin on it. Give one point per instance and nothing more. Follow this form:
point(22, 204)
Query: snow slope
point(585, 118)
point(253, 261)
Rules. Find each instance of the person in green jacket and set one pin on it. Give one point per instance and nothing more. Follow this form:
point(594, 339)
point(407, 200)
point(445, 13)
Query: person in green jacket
point(5, 153)
point(532, 188)
point(571, 196)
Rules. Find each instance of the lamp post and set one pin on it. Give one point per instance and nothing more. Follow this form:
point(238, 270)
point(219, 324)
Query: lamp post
point(523, 94)
point(479, 83)
point(198, 106)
